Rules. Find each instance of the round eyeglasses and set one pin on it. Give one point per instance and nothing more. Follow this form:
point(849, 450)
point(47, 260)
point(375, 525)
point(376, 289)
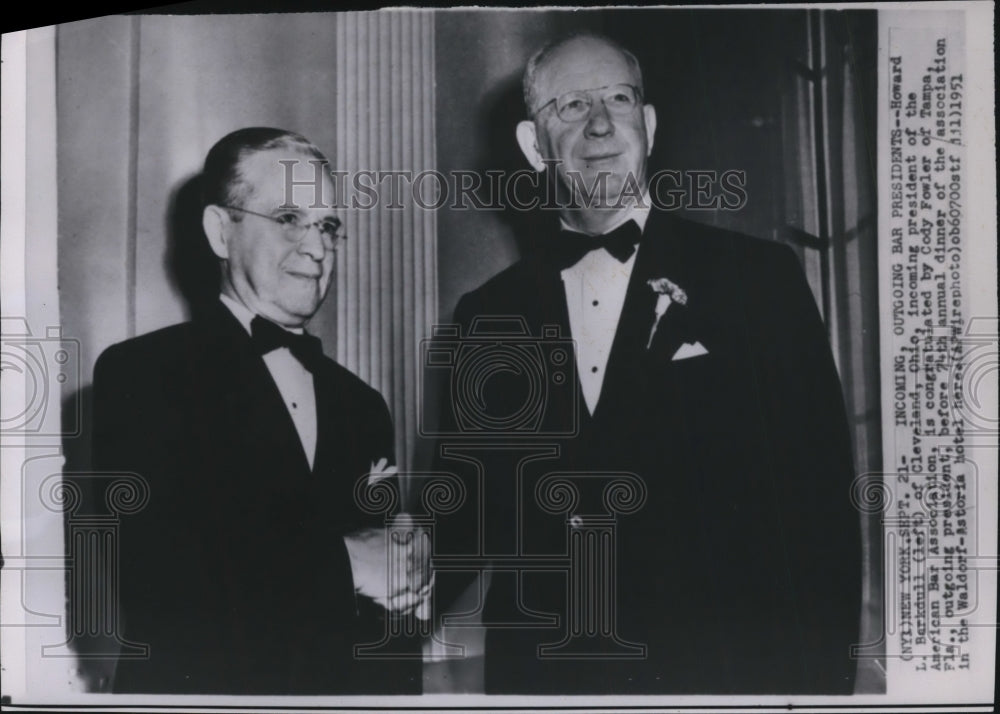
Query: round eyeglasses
point(294, 227)
point(620, 99)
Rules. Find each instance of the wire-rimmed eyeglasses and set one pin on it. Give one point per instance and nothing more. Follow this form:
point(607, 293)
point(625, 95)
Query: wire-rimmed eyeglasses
point(294, 227)
point(571, 107)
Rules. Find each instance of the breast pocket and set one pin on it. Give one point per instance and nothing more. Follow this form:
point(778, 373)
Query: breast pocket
point(688, 360)
point(699, 386)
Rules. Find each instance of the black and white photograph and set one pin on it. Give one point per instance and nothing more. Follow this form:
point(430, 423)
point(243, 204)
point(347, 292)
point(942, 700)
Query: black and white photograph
point(500, 357)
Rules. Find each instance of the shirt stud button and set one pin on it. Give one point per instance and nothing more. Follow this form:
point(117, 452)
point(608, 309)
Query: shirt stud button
point(596, 303)
point(593, 369)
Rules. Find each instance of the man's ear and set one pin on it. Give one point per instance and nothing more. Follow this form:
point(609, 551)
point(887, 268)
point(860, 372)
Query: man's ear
point(649, 113)
point(214, 221)
point(527, 139)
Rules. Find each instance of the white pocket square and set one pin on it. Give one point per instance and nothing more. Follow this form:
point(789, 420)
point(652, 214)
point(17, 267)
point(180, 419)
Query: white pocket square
point(689, 350)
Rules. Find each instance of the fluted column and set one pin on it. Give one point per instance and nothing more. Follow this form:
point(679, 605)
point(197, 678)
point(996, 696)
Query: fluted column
point(387, 273)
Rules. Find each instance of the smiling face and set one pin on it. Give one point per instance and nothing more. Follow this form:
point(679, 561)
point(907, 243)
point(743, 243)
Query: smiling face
point(613, 145)
point(277, 278)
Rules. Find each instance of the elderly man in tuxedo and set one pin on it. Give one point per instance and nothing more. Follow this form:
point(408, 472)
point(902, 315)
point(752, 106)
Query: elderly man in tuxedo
point(705, 381)
point(253, 570)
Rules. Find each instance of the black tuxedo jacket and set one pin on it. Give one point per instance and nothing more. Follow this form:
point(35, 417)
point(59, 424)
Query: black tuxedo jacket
point(235, 572)
point(741, 571)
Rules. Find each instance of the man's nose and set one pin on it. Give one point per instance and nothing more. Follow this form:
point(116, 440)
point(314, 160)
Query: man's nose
point(599, 121)
point(312, 243)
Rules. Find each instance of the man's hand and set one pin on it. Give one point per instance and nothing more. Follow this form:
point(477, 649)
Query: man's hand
point(391, 565)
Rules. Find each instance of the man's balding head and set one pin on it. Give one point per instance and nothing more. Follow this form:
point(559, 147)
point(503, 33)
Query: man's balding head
point(533, 98)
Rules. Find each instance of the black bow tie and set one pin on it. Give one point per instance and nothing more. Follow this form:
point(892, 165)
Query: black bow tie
point(569, 247)
point(267, 336)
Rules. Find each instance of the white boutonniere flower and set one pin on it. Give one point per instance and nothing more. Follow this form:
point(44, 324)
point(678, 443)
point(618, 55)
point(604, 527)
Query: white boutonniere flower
point(668, 292)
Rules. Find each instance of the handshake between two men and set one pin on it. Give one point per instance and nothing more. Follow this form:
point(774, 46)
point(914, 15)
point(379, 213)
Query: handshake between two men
point(391, 564)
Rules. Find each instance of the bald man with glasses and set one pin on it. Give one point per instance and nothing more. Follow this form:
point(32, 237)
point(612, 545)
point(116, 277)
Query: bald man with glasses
point(703, 426)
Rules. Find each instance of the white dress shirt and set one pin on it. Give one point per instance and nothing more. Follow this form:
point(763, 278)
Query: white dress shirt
point(595, 292)
point(294, 382)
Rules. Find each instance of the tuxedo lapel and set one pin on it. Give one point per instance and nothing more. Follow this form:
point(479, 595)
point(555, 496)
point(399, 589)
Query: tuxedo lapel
point(672, 330)
point(630, 350)
point(251, 407)
point(328, 428)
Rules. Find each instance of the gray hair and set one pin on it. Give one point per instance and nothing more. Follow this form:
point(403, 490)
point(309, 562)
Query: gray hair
point(539, 58)
point(222, 177)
